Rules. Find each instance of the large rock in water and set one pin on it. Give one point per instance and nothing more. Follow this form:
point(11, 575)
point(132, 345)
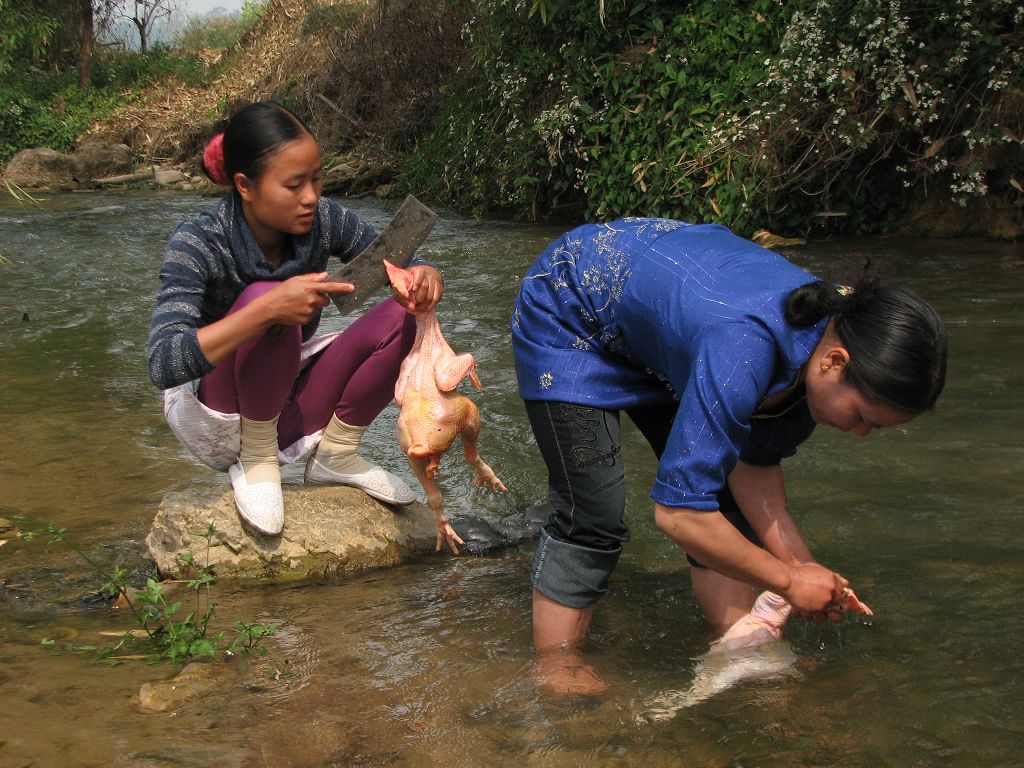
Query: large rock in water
point(97, 159)
point(327, 530)
point(45, 168)
point(41, 168)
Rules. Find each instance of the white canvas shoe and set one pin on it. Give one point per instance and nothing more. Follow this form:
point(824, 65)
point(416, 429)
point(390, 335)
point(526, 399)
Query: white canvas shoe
point(261, 505)
point(375, 481)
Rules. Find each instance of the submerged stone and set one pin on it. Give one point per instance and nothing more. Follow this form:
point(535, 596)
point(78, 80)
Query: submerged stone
point(482, 536)
point(194, 680)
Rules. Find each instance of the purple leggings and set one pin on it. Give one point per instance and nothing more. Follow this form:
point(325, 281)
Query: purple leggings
point(353, 377)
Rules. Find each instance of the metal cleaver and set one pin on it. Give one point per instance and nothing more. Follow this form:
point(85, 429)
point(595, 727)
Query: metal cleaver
point(405, 233)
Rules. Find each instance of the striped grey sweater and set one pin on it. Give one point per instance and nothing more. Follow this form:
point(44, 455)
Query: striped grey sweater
point(209, 261)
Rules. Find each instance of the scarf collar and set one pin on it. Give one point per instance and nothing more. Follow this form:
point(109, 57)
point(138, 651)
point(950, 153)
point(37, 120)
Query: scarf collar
point(252, 264)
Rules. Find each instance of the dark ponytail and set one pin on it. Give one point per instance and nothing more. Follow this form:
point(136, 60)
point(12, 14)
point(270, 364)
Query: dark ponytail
point(897, 342)
point(252, 135)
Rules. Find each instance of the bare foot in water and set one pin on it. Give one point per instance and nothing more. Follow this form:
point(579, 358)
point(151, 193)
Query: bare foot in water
point(565, 672)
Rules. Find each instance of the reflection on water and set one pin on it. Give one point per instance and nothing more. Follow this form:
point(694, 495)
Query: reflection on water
point(430, 663)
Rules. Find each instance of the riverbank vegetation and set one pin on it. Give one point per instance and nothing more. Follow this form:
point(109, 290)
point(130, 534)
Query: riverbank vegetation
point(59, 81)
point(164, 630)
point(844, 116)
point(754, 114)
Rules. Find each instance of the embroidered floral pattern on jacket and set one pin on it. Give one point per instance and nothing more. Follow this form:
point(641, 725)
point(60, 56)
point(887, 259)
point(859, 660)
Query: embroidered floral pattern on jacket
point(644, 312)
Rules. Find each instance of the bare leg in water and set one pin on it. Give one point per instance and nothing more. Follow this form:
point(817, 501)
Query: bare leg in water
point(723, 600)
point(558, 633)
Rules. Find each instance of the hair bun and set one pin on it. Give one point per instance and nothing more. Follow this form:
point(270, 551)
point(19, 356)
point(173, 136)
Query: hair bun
point(213, 161)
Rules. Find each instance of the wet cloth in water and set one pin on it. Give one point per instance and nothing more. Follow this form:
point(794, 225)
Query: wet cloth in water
point(640, 312)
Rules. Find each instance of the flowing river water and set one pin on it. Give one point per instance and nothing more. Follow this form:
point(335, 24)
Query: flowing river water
point(430, 663)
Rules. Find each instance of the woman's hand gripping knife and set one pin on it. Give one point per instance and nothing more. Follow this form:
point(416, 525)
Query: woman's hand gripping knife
point(431, 412)
point(294, 301)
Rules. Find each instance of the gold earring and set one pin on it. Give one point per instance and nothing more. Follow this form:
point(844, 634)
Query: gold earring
point(825, 367)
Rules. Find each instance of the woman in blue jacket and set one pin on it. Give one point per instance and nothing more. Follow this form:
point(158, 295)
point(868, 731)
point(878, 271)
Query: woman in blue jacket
point(725, 356)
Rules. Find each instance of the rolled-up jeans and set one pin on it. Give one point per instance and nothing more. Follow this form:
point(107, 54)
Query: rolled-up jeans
point(581, 543)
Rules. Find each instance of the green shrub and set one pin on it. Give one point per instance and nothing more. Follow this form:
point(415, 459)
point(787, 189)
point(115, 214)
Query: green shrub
point(40, 110)
point(330, 19)
point(133, 69)
point(869, 104)
point(26, 29)
point(618, 115)
point(753, 114)
point(43, 109)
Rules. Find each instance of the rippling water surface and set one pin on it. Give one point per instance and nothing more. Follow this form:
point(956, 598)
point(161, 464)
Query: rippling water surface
point(429, 663)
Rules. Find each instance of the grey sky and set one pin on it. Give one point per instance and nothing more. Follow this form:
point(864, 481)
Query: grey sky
point(165, 29)
point(203, 6)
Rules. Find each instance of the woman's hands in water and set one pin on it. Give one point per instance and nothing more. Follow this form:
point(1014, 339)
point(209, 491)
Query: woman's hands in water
point(424, 292)
point(298, 299)
point(815, 593)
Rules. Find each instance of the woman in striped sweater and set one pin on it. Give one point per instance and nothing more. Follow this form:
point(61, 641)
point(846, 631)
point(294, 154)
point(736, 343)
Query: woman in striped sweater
point(241, 398)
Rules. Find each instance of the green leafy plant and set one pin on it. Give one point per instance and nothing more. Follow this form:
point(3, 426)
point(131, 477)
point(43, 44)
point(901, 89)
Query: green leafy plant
point(49, 109)
point(161, 627)
point(753, 114)
point(328, 18)
point(249, 638)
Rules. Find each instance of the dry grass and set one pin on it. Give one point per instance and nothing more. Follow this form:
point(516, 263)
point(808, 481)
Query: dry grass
point(372, 86)
point(382, 84)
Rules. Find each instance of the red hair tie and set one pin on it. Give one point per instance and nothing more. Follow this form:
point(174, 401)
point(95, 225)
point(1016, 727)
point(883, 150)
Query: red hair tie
point(213, 160)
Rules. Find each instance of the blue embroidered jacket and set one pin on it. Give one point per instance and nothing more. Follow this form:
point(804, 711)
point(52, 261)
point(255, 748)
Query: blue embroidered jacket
point(643, 311)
